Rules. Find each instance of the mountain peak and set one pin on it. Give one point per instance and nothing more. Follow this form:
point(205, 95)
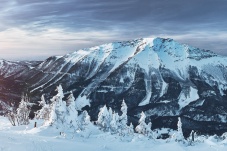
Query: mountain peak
point(160, 77)
point(178, 50)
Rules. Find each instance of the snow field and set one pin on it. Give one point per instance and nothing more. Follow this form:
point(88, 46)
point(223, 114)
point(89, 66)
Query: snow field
point(27, 138)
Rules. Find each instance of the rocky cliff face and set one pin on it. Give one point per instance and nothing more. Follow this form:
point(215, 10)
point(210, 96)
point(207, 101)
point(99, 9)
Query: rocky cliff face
point(161, 77)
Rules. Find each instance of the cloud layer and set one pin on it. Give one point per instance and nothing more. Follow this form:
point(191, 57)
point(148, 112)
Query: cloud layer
point(47, 27)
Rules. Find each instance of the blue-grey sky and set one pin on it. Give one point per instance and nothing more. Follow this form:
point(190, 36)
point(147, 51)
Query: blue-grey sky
point(36, 29)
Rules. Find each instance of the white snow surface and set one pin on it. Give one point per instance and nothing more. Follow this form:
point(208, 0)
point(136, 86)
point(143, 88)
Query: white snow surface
point(186, 98)
point(81, 102)
point(27, 138)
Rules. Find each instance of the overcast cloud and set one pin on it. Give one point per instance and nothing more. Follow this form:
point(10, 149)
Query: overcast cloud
point(45, 27)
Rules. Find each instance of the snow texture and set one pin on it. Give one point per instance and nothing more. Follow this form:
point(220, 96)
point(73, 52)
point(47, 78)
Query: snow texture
point(27, 138)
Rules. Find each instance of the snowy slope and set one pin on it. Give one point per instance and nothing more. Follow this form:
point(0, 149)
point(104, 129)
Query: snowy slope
point(27, 138)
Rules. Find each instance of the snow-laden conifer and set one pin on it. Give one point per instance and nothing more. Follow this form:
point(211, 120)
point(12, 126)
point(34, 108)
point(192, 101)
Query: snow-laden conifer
point(71, 112)
point(144, 128)
point(130, 130)
point(44, 112)
point(123, 119)
point(104, 119)
point(58, 109)
point(84, 121)
point(114, 124)
point(23, 111)
point(179, 135)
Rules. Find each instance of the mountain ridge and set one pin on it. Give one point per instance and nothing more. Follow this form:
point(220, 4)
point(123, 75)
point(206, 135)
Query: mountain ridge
point(159, 76)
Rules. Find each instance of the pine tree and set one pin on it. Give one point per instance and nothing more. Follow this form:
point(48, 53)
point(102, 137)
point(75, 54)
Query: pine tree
point(60, 105)
point(130, 130)
point(104, 119)
point(53, 115)
point(114, 124)
point(23, 111)
point(71, 112)
point(44, 112)
point(179, 135)
point(141, 128)
point(123, 119)
point(58, 109)
point(149, 132)
point(84, 120)
point(42, 102)
point(144, 128)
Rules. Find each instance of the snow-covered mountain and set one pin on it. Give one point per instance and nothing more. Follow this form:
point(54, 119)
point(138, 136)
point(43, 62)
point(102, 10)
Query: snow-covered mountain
point(161, 77)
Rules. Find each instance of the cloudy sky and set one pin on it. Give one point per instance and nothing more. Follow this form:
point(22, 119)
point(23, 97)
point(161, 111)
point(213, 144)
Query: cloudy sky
point(36, 29)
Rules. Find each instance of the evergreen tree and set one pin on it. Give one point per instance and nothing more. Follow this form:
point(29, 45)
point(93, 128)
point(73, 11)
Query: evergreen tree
point(179, 135)
point(103, 119)
point(58, 109)
point(23, 111)
point(141, 128)
point(53, 115)
point(60, 105)
point(144, 128)
point(148, 131)
point(71, 112)
point(44, 112)
point(130, 130)
point(42, 102)
point(123, 119)
point(114, 124)
point(84, 120)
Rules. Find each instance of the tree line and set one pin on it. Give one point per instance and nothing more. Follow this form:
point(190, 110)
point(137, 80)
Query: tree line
point(63, 115)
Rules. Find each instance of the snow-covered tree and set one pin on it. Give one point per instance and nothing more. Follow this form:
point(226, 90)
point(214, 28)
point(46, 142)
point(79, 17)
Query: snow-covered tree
point(104, 119)
point(223, 136)
point(141, 128)
point(70, 99)
point(123, 119)
point(71, 112)
point(53, 115)
point(130, 130)
point(114, 124)
point(42, 102)
point(179, 135)
point(191, 138)
point(148, 131)
point(58, 109)
point(44, 112)
point(84, 120)
point(23, 111)
point(10, 112)
point(144, 128)
point(12, 116)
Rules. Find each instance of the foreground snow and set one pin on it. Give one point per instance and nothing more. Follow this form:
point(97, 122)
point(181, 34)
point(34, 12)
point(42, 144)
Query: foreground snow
point(27, 138)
